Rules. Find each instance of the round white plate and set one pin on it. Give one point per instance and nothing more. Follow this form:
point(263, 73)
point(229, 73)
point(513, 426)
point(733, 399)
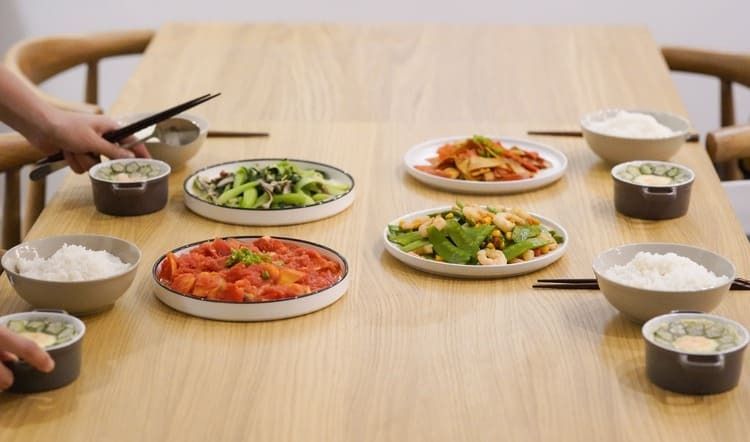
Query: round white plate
point(268, 217)
point(418, 155)
point(253, 311)
point(475, 271)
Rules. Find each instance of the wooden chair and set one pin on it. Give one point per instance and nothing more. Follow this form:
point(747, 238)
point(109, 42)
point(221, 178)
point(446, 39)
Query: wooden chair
point(39, 59)
point(35, 61)
point(16, 152)
point(730, 143)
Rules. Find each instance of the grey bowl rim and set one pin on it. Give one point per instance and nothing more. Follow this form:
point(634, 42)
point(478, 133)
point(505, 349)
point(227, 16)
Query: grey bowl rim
point(680, 292)
point(584, 121)
point(133, 266)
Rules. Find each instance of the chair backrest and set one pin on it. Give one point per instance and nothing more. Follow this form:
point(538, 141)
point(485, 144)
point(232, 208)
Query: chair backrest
point(39, 59)
point(729, 68)
point(35, 61)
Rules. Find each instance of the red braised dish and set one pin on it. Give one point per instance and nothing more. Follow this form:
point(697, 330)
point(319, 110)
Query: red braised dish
point(263, 269)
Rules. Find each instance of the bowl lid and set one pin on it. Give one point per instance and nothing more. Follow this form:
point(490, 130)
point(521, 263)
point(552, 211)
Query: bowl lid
point(59, 315)
point(129, 170)
point(621, 168)
point(650, 327)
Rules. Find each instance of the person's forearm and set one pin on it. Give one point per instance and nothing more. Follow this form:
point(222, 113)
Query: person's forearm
point(21, 108)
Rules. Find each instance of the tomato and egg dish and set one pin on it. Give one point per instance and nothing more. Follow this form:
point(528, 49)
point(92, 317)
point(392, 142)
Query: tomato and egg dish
point(262, 269)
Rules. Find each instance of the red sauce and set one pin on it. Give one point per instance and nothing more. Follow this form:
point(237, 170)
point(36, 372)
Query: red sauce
point(286, 271)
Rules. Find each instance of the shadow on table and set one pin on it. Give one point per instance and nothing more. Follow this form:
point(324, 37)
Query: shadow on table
point(37, 407)
point(631, 373)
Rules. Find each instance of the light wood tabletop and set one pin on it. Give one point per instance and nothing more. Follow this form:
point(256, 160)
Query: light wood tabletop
point(403, 355)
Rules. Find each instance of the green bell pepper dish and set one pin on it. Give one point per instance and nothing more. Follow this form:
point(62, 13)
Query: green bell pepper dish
point(458, 235)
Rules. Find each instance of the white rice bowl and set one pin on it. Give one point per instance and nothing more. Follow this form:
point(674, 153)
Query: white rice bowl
point(667, 272)
point(71, 263)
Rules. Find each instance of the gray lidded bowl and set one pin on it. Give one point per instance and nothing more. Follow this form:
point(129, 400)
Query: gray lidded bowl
point(652, 202)
point(76, 297)
point(693, 373)
point(67, 357)
point(130, 198)
point(640, 305)
point(616, 149)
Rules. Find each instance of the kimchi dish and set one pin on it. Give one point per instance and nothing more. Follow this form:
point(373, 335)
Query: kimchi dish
point(483, 159)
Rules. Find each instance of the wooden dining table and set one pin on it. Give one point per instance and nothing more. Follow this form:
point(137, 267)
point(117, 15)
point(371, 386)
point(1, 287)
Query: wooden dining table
point(403, 355)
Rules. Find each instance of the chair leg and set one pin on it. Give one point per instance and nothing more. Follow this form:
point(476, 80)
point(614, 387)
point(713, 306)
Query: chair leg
point(727, 104)
point(92, 82)
point(12, 209)
point(727, 170)
point(34, 204)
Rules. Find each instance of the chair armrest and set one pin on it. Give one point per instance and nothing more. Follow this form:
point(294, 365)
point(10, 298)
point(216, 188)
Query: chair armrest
point(728, 143)
point(724, 65)
point(15, 152)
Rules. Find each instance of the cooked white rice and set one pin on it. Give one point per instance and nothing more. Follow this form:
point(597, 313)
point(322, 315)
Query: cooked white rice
point(670, 272)
point(72, 263)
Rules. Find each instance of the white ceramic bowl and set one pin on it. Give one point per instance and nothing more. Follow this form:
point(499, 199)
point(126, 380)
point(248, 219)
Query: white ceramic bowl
point(176, 155)
point(419, 154)
point(75, 297)
point(640, 305)
point(616, 149)
point(272, 216)
point(475, 271)
point(254, 311)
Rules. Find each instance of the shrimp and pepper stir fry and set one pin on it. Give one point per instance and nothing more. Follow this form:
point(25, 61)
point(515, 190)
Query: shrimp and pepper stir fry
point(475, 235)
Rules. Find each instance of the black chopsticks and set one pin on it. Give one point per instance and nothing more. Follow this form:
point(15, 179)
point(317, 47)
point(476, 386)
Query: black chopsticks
point(126, 131)
point(592, 284)
point(691, 137)
point(235, 134)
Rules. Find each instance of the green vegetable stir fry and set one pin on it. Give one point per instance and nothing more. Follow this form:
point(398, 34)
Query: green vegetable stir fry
point(475, 235)
point(281, 185)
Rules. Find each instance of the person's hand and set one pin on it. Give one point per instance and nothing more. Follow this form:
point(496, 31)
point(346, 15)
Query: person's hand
point(79, 136)
point(12, 347)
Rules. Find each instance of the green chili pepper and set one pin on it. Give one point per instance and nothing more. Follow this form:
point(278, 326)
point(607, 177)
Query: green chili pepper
point(521, 233)
point(445, 248)
point(515, 250)
point(403, 239)
point(414, 245)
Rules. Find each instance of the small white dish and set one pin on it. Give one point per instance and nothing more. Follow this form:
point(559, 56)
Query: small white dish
point(273, 216)
point(418, 155)
point(475, 271)
point(253, 311)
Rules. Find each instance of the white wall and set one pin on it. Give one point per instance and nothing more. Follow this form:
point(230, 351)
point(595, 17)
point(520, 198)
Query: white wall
point(718, 24)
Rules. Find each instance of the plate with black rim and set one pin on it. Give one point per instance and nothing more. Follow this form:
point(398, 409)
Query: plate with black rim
point(266, 310)
point(271, 216)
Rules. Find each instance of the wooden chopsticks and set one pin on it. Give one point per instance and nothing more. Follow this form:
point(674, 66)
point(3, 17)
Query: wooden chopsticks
point(592, 284)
